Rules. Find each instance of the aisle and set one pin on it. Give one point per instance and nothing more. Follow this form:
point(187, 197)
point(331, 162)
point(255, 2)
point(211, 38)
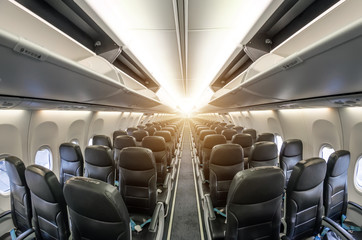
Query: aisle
point(185, 223)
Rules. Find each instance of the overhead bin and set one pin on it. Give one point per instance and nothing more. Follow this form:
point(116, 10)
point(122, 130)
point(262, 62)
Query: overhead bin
point(329, 67)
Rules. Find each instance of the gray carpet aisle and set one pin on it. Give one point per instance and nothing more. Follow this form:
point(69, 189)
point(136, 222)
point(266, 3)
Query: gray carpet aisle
point(185, 221)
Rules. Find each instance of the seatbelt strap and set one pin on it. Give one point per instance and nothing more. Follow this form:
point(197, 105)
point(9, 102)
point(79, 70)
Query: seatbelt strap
point(12, 234)
point(349, 228)
point(138, 228)
point(219, 212)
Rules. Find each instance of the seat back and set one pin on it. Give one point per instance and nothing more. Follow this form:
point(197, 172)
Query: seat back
point(263, 154)
point(139, 135)
point(254, 204)
point(290, 153)
point(304, 198)
point(50, 217)
point(19, 193)
point(138, 179)
point(267, 137)
point(209, 142)
point(229, 126)
point(335, 185)
point(151, 130)
point(102, 140)
point(71, 161)
point(157, 145)
point(229, 133)
point(119, 143)
point(169, 145)
point(84, 197)
point(130, 130)
point(245, 141)
point(118, 133)
point(99, 164)
point(201, 139)
point(225, 161)
point(239, 129)
point(252, 132)
point(219, 129)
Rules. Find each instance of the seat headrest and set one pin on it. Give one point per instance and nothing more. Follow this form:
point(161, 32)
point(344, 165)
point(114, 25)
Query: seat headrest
point(149, 124)
point(137, 158)
point(250, 131)
point(199, 129)
point(227, 154)
point(214, 139)
point(230, 126)
point(267, 183)
point(243, 139)
point(102, 140)
point(118, 133)
point(307, 174)
point(263, 151)
point(130, 130)
point(229, 133)
point(223, 124)
point(15, 169)
point(155, 143)
point(239, 129)
point(219, 129)
point(43, 183)
point(98, 155)
point(150, 130)
point(141, 127)
point(268, 137)
point(97, 193)
point(70, 152)
point(139, 134)
point(158, 127)
point(165, 134)
point(123, 141)
point(170, 129)
point(291, 148)
point(204, 133)
point(338, 163)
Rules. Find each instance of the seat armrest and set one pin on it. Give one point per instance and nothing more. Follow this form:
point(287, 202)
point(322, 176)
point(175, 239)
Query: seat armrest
point(202, 176)
point(356, 206)
point(336, 228)
point(3, 214)
point(158, 215)
point(166, 182)
point(25, 234)
point(210, 207)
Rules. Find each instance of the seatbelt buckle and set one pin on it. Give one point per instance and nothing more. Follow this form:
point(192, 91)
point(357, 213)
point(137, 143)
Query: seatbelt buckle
point(138, 228)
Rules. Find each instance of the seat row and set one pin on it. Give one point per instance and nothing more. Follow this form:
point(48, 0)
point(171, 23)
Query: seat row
point(251, 200)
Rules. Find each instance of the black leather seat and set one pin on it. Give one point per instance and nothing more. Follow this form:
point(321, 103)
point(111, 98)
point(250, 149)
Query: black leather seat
point(219, 129)
point(304, 199)
point(102, 140)
point(130, 130)
point(202, 135)
point(252, 132)
point(246, 142)
point(169, 144)
point(225, 161)
point(139, 135)
point(97, 210)
point(173, 136)
point(71, 161)
point(263, 154)
point(118, 133)
point(209, 142)
point(229, 133)
point(50, 218)
point(253, 208)
point(290, 153)
point(99, 164)
point(266, 137)
point(141, 127)
point(19, 194)
point(239, 129)
point(157, 145)
point(151, 130)
point(119, 143)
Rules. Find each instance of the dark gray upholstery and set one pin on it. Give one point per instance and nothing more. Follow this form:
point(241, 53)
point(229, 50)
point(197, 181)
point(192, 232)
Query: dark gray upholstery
point(202, 135)
point(219, 129)
point(50, 218)
point(263, 154)
point(102, 140)
point(173, 136)
point(118, 133)
point(139, 135)
point(252, 132)
point(151, 130)
point(119, 143)
point(157, 145)
point(335, 185)
point(97, 210)
point(290, 153)
point(229, 126)
point(137, 179)
point(209, 142)
point(267, 137)
point(169, 144)
point(304, 198)
point(225, 161)
point(130, 130)
point(239, 129)
point(99, 164)
point(229, 133)
point(71, 161)
point(19, 194)
point(245, 141)
point(254, 204)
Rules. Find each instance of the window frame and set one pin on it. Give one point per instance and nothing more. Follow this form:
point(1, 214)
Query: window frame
point(5, 193)
point(276, 135)
point(357, 168)
point(46, 147)
point(325, 145)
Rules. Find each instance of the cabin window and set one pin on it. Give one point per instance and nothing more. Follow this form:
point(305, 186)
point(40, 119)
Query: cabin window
point(325, 151)
point(75, 141)
point(358, 174)
point(90, 142)
point(44, 157)
point(278, 141)
point(4, 179)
